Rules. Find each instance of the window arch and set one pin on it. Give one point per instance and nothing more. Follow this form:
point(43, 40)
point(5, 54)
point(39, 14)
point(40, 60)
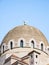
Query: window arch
point(3, 48)
point(32, 43)
point(42, 46)
point(21, 43)
point(11, 45)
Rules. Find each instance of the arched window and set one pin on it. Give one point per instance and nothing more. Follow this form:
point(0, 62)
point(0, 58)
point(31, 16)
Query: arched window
point(11, 44)
point(32, 43)
point(3, 48)
point(21, 43)
point(41, 46)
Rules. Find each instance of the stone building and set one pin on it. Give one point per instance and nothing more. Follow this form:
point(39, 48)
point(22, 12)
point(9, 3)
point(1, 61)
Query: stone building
point(24, 45)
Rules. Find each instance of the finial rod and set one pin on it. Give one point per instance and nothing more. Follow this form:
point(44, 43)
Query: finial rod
point(24, 23)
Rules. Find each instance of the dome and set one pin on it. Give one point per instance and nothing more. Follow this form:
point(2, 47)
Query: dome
point(27, 32)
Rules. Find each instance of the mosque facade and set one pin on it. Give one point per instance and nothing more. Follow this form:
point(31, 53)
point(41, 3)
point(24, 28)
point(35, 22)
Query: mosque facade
point(24, 45)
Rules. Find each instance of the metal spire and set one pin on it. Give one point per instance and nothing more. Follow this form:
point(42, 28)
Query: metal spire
point(24, 23)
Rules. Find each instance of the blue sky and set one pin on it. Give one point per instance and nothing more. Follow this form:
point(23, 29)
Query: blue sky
point(14, 12)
